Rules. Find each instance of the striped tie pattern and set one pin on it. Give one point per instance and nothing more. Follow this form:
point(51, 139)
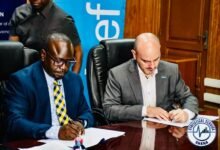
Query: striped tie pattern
point(60, 105)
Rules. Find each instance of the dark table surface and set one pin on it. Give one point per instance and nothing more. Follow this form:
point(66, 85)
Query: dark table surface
point(153, 136)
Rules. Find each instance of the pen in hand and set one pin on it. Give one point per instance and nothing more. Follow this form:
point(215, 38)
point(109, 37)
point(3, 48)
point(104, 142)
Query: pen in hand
point(79, 127)
point(178, 115)
point(71, 130)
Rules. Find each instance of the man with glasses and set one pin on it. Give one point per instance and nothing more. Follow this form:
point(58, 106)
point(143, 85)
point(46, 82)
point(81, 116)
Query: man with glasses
point(45, 100)
point(146, 86)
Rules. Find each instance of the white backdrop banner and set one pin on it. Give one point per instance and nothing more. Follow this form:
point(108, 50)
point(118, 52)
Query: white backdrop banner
point(95, 20)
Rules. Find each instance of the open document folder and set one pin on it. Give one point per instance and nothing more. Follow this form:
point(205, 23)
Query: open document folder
point(177, 124)
point(91, 137)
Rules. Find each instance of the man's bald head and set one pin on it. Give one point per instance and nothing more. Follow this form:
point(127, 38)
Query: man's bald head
point(147, 52)
point(146, 38)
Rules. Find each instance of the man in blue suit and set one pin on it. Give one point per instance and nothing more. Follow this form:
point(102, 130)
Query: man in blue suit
point(30, 100)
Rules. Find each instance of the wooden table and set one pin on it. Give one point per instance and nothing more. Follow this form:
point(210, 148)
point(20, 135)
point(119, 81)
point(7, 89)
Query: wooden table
point(166, 137)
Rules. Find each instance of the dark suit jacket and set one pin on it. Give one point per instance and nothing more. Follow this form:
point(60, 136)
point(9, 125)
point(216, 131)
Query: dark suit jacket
point(123, 98)
point(28, 104)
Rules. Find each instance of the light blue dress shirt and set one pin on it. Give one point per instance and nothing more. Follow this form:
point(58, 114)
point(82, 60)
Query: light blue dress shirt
point(52, 133)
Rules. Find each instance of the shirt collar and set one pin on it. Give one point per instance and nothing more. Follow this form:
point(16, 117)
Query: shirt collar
point(46, 11)
point(50, 79)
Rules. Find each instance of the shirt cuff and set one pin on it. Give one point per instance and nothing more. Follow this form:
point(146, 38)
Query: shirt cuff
point(53, 132)
point(144, 111)
point(190, 114)
point(85, 123)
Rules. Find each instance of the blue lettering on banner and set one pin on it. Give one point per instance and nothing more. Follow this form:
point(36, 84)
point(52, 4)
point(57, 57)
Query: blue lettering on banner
point(95, 20)
point(104, 23)
point(2, 14)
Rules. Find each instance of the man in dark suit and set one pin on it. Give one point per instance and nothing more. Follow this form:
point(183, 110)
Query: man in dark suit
point(32, 23)
point(31, 100)
point(147, 87)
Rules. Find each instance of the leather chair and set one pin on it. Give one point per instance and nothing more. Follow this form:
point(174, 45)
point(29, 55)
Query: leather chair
point(101, 58)
point(13, 57)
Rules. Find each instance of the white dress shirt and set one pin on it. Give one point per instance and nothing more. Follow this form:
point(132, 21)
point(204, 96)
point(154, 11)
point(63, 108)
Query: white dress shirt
point(148, 87)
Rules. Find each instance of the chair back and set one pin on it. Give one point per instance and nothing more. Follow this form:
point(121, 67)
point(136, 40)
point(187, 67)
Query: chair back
point(13, 57)
point(101, 58)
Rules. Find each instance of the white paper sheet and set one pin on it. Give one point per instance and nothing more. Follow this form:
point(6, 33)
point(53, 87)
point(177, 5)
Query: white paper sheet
point(167, 122)
point(91, 137)
point(94, 135)
point(212, 118)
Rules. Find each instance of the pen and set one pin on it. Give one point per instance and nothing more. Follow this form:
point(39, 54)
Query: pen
point(173, 121)
point(79, 144)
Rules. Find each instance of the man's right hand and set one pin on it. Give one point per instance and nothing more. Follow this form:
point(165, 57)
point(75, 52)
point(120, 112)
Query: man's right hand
point(70, 131)
point(157, 112)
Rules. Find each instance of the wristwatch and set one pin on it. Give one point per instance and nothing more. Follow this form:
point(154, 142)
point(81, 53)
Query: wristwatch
point(83, 122)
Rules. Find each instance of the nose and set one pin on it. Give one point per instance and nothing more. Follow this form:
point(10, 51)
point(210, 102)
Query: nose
point(151, 64)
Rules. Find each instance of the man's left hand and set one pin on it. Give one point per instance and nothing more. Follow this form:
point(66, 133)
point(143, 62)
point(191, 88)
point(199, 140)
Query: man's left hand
point(178, 115)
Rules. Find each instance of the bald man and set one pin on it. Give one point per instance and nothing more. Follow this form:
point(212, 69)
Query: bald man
point(146, 86)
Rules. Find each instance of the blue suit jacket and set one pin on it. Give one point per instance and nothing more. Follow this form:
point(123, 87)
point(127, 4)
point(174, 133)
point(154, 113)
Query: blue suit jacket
point(28, 104)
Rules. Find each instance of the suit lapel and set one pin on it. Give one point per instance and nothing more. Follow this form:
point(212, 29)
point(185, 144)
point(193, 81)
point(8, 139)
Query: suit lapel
point(42, 91)
point(134, 81)
point(161, 83)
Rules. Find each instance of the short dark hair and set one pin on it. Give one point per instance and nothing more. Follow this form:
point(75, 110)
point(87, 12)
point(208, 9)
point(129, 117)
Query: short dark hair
point(56, 37)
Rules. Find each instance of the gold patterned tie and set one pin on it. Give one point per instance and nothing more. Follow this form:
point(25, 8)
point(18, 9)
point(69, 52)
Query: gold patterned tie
point(60, 105)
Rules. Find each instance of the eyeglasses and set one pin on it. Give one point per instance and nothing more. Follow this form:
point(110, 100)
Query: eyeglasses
point(59, 62)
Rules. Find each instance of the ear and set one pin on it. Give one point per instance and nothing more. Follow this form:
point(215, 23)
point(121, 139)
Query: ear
point(134, 53)
point(43, 55)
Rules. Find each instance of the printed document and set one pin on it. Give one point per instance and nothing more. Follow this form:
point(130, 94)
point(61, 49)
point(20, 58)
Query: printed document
point(177, 124)
point(91, 137)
